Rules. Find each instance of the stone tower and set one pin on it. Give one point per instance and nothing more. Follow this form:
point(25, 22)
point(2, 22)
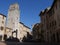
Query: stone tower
point(13, 18)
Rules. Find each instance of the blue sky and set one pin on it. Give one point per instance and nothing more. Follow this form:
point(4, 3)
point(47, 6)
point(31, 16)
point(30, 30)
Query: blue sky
point(29, 9)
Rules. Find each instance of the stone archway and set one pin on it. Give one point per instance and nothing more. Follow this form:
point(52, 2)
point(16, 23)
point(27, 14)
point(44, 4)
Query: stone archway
point(14, 33)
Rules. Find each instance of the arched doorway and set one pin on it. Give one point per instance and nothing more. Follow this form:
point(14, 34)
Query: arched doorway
point(14, 33)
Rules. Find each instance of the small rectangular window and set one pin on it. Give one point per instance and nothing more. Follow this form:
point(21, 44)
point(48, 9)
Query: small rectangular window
point(56, 5)
point(55, 22)
point(51, 12)
point(2, 28)
point(2, 21)
point(3, 17)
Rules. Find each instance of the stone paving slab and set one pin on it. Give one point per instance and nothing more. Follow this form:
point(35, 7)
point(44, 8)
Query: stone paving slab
point(27, 43)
